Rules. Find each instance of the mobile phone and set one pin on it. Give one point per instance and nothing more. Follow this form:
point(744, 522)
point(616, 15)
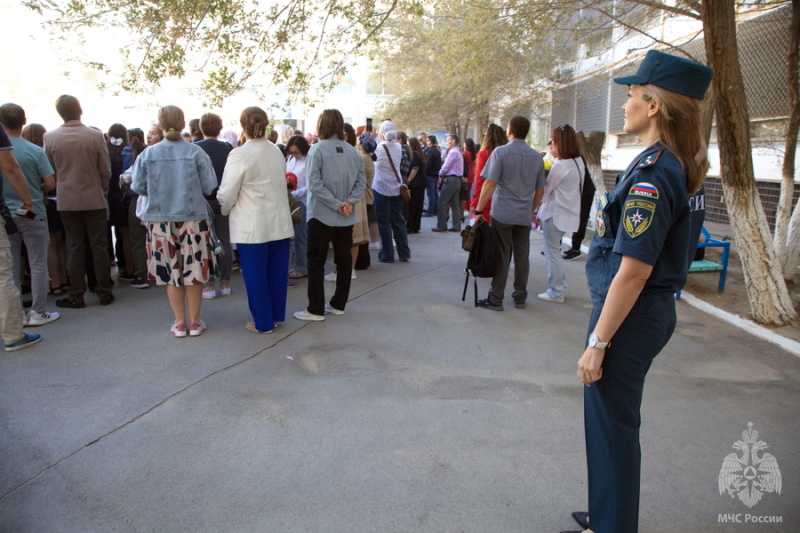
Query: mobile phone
point(369, 125)
point(25, 213)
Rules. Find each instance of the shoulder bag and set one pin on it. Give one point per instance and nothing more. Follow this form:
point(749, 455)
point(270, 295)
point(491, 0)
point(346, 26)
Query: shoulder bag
point(404, 192)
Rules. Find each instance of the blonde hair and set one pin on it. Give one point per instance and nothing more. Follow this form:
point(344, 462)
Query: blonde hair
point(679, 125)
point(171, 122)
point(285, 132)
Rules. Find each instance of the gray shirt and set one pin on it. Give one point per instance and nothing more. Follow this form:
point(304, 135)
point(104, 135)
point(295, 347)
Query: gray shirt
point(518, 171)
point(335, 174)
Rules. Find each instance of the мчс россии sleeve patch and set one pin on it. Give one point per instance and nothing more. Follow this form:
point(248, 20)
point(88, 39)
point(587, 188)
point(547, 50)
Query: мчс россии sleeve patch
point(639, 209)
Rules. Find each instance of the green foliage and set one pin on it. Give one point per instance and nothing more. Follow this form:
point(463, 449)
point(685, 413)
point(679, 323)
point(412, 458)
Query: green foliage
point(463, 61)
point(298, 44)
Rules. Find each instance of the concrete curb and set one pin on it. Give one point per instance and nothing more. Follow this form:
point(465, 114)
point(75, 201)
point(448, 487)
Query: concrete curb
point(754, 329)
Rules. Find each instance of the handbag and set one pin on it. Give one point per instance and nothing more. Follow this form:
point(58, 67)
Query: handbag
point(404, 192)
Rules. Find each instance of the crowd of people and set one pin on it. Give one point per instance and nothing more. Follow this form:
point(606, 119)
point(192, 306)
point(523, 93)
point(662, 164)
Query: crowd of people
point(185, 204)
point(192, 198)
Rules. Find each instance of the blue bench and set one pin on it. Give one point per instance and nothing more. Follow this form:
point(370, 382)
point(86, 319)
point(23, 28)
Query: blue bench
point(705, 265)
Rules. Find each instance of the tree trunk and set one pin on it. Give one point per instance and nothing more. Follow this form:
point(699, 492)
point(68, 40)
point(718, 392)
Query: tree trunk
point(769, 299)
point(707, 114)
point(787, 244)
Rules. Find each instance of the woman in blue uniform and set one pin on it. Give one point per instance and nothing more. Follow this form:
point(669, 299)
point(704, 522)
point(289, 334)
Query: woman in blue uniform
point(638, 259)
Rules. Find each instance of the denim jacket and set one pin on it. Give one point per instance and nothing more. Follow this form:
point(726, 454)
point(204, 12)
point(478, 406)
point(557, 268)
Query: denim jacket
point(173, 177)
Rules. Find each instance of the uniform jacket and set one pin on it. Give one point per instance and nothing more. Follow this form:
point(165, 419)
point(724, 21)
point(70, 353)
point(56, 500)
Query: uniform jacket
point(646, 216)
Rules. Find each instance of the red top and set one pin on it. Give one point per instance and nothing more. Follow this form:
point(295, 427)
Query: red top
point(470, 165)
point(483, 156)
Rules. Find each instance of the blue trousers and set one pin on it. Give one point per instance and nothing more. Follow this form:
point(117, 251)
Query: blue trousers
point(265, 269)
point(433, 194)
point(612, 413)
point(389, 210)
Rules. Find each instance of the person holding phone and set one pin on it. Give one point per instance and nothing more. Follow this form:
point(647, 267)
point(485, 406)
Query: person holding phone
point(33, 231)
point(11, 316)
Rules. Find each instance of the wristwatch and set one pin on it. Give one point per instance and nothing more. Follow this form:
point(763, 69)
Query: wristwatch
point(478, 212)
point(595, 342)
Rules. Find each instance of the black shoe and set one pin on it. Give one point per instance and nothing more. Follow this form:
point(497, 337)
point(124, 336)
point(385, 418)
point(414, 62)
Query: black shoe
point(66, 302)
point(519, 305)
point(140, 283)
point(487, 304)
point(105, 300)
point(581, 517)
point(569, 255)
point(438, 229)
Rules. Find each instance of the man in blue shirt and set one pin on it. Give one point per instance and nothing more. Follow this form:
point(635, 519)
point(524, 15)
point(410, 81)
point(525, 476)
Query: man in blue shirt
point(336, 181)
point(515, 183)
point(10, 312)
point(34, 233)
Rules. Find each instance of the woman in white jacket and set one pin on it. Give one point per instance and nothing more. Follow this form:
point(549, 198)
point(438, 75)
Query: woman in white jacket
point(560, 209)
point(253, 194)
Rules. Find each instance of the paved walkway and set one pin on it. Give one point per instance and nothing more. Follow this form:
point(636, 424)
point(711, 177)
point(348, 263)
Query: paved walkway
point(412, 412)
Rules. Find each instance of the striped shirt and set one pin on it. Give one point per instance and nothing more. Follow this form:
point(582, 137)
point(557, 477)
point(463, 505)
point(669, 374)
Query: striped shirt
point(385, 182)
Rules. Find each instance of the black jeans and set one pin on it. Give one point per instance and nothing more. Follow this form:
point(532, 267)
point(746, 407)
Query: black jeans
point(319, 235)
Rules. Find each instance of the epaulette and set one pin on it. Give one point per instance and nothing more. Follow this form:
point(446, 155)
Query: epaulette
point(649, 160)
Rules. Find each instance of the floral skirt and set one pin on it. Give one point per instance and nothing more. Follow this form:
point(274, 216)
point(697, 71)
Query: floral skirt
point(180, 253)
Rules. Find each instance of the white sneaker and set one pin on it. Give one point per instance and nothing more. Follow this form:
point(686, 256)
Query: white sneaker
point(374, 246)
point(547, 298)
point(353, 275)
point(309, 317)
point(330, 309)
point(40, 319)
point(330, 277)
point(210, 294)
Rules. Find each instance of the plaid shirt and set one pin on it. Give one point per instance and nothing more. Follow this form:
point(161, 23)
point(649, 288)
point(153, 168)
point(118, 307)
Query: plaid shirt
point(405, 163)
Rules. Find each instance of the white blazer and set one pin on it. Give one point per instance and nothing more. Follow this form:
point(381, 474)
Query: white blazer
point(253, 192)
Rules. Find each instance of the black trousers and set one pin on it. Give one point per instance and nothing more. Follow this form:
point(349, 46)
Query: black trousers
point(578, 236)
point(415, 208)
point(319, 236)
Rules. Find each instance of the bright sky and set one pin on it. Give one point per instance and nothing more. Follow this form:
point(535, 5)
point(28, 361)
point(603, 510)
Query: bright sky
point(35, 70)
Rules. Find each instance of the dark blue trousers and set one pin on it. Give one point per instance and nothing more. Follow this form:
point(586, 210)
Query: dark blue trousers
point(265, 269)
point(612, 413)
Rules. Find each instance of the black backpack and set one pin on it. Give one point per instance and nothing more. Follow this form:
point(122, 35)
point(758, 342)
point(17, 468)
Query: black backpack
point(481, 242)
point(588, 189)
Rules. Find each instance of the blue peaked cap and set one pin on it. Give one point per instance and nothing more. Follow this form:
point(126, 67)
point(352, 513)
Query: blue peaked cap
point(672, 73)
